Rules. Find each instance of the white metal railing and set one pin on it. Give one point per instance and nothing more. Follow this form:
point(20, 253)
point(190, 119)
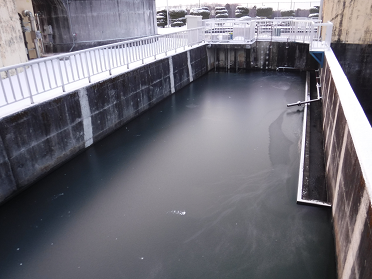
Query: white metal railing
point(285, 30)
point(26, 80)
point(289, 30)
point(276, 5)
point(322, 39)
point(229, 30)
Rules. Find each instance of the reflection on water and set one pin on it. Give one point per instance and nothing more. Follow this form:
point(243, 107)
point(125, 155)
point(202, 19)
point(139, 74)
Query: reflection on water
point(201, 186)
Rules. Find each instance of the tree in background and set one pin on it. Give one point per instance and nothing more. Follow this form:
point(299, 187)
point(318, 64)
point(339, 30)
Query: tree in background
point(314, 10)
point(204, 12)
point(265, 12)
point(288, 13)
point(176, 14)
point(161, 18)
point(241, 11)
point(221, 12)
point(228, 9)
point(177, 17)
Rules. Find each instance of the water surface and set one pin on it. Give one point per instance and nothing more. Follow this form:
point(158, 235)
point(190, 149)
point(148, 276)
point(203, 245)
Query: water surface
point(203, 185)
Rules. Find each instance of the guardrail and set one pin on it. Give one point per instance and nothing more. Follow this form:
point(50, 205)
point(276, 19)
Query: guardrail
point(289, 30)
point(229, 30)
point(26, 80)
point(323, 37)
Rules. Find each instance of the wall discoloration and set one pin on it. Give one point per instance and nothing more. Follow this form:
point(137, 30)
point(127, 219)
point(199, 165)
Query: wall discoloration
point(356, 62)
point(95, 22)
point(346, 173)
point(352, 44)
point(12, 48)
point(54, 131)
point(351, 20)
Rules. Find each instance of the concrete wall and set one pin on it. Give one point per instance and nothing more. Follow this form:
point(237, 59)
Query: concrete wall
point(263, 55)
point(352, 44)
point(348, 160)
point(356, 61)
point(351, 20)
point(12, 48)
point(39, 138)
point(95, 22)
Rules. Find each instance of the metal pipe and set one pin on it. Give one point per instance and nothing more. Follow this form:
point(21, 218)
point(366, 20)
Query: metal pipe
point(299, 103)
point(317, 91)
point(33, 29)
point(37, 16)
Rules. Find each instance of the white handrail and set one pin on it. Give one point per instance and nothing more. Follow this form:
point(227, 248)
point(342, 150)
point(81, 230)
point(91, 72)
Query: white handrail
point(25, 80)
point(279, 29)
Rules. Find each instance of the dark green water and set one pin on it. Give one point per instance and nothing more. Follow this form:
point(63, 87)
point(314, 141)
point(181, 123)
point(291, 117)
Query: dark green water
point(201, 186)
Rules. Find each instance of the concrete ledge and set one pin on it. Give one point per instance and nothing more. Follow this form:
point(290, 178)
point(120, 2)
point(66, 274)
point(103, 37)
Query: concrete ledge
point(39, 138)
point(348, 159)
point(304, 169)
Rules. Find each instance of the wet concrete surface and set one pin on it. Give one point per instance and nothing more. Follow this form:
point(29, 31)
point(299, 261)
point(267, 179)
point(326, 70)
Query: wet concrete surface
point(314, 187)
point(203, 185)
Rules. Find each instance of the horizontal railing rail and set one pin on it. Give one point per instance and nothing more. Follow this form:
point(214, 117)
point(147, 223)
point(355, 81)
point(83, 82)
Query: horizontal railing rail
point(322, 38)
point(279, 29)
point(26, 80)
point(229, 30)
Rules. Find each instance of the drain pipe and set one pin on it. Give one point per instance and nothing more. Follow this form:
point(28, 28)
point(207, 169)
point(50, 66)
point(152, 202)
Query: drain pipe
point(33, 30)
point(37, 16)
point(299, 103)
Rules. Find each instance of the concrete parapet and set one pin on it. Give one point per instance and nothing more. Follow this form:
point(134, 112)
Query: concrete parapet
point(348, 160)
point(37, 139)
point(356, 61)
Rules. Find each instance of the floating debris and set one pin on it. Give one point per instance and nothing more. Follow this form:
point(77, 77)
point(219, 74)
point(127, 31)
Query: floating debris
point(178, 212)
point(57, 196)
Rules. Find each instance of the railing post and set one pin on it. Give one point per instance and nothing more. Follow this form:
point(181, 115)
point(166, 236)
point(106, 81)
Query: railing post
point(29, 87)
point(88, 72)
point(109, 60)
point(142, 53)
point(2, 86)
point(175, 42)
point(184, 39)
point(165, 44)
point(20, 85)
point(328, 36)
point(155, 46)
point(11, 84)
point(312, 29)
point(60, 72)
point(126, 55)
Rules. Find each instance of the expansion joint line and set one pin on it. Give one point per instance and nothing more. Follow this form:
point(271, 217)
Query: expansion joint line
point(171, 75)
